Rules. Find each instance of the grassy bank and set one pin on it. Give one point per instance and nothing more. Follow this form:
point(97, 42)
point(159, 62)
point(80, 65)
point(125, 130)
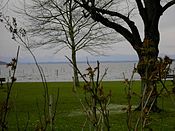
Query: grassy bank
point(69, 117)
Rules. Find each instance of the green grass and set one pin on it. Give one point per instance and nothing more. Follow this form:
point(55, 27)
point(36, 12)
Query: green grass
point(25, 97)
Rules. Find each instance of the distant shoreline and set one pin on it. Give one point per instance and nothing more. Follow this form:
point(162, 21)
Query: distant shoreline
point(64, 62)
point(79, 62)
point(2, 63)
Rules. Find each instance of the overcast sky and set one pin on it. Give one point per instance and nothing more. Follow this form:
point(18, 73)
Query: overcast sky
point(119, 51)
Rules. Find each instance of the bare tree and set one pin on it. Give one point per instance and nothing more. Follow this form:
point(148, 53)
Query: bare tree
point(59, 24)
point(150, 12)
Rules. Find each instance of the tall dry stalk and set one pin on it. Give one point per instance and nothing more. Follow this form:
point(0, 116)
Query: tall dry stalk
point(20, 36)
point(129, 93)
point(5, 107)
point(96, 102)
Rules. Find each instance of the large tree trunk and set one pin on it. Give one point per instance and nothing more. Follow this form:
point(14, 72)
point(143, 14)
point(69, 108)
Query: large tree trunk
point(148, 53)
point(146, 68)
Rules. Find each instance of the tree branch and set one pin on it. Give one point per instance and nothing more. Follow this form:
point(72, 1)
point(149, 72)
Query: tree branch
point(130, 23)
point(140, 6)
point(169, 4)
point(96, 14)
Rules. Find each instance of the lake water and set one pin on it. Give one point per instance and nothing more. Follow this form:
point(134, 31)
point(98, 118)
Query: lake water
point(63, 71)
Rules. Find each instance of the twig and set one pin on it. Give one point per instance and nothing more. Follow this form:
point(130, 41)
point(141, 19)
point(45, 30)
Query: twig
point(9, 87)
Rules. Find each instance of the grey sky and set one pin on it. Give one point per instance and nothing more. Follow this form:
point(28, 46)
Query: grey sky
point(119, 51)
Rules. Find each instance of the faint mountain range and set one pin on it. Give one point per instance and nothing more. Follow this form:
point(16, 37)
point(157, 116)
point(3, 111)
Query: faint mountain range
point(2, 63)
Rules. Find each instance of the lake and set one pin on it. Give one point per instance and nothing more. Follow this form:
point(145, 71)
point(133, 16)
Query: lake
point(63, 71)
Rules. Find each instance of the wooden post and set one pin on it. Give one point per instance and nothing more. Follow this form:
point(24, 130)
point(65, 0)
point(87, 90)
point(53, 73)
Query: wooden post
point(57, 72)
point(2, 80)
point(173, 78)
point(1, 84)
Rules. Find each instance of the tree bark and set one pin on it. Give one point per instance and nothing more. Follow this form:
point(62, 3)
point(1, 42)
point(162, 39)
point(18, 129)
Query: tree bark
point(148, 53)
point(74, 61)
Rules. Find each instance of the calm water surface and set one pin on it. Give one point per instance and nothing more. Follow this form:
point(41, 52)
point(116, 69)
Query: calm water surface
point(63, 71)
